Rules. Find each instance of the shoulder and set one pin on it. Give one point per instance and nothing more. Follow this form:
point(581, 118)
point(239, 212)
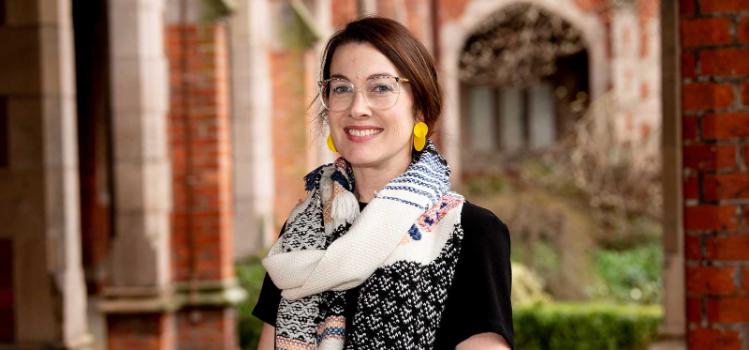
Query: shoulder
point(482, 224)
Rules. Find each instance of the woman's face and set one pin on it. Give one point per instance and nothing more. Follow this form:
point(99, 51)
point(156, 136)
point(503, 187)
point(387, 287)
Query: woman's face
point(366, 136)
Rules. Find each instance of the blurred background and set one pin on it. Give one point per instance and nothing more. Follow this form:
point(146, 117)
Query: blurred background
point(150, 150)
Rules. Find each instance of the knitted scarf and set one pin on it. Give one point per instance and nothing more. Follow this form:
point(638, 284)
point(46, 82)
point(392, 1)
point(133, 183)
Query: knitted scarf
point(401, 249)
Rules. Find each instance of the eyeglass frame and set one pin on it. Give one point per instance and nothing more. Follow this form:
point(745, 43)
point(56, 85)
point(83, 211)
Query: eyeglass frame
point(322, 83)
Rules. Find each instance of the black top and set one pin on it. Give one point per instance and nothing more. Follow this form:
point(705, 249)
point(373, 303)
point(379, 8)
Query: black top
point(478, 300)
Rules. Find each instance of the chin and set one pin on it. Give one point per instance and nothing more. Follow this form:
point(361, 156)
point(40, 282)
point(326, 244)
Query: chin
point(361, 159)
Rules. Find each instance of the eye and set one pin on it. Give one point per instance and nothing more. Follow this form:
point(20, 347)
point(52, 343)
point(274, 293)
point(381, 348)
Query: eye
point(381, 88)
point(341, 89)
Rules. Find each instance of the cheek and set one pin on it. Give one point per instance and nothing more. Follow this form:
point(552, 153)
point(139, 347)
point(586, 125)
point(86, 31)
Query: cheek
point(334, 121)
point(401, 129)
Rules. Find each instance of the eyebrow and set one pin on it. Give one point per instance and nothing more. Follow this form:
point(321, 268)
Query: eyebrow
point(375, 75)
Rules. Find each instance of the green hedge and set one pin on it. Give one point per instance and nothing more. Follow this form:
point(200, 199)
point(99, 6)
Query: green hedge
point(250, 274)
point(582, 326)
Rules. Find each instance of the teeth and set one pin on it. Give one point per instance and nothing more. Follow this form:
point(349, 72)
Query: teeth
point(366, 132)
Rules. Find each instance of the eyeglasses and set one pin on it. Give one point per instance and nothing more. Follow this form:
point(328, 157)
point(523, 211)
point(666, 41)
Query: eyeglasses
point(381, 92)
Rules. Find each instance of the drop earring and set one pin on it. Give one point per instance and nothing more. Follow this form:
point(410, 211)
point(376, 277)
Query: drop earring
point(420, 135)
point(331, 146)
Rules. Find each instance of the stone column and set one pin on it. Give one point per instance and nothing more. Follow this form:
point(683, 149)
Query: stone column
point(251, 128)
point(673, 326)
point(139, 298)
point(39, 209)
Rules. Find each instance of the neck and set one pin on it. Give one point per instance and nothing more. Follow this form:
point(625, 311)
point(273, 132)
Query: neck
point(370, 179)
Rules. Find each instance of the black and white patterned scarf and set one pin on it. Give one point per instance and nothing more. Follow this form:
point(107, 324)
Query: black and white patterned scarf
point(402, 249)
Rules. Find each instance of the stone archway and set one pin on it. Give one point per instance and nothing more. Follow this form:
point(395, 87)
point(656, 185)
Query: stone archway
point(454, 34)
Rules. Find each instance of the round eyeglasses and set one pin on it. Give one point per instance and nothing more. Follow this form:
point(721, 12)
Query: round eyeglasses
point(381, 92)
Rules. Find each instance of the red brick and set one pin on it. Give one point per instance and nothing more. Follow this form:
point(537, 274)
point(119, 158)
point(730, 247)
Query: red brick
point(688, 65)
point(693, 247)
point(705, 31)
point(694, 310)
point(726, 186)
point(746, 279)
point(199, 96)
point(710, 217)
point(708, 6)
point(689, 128)
point(138, 331)
point(710, 280)
point(451, 10)
point(745, 94)
point(697, 96)
point(343, 12)
point(732, 247)
point(725, 156)
point(742, 30)
point(746, 155)
point(212, 330)
point(724, 62)
point(687, 7)
point(728, 310)
point(725, 126)
point(691, 188)
point(716, 339)
point(709, 157)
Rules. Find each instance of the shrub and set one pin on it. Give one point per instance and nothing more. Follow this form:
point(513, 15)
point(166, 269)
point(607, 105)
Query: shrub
point(250, 274)
point(632, 275)
point(584, 326)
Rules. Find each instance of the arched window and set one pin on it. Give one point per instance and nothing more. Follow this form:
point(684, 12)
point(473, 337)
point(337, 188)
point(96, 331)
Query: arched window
point(524, 76)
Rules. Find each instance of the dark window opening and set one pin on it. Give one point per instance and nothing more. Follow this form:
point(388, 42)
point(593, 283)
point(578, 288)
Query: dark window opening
point(91, 38)
point(7, 318)
point(2, 13)
point(4, 134)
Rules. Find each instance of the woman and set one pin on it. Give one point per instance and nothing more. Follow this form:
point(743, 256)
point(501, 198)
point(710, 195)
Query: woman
point(381, 254)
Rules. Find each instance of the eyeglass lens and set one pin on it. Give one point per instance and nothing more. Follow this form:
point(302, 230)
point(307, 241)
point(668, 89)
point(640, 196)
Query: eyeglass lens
point(380, 93)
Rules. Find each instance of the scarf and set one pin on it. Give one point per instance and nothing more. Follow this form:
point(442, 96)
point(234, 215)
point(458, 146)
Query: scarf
point(401, 249)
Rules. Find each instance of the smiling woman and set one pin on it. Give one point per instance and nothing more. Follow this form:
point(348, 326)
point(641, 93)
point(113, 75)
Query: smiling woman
point(382, 254)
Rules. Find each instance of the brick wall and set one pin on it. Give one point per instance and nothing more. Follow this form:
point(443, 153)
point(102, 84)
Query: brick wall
point(715, 133)
point(206, 328)
point(140, 331)
point(200, 149)
point(289, 147)
point(343, 11)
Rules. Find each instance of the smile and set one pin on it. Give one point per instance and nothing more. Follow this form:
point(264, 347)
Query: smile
point(363, 132)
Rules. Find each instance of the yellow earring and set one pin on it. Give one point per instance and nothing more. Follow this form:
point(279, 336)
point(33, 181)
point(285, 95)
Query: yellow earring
point(331, 146)
point(420, 135)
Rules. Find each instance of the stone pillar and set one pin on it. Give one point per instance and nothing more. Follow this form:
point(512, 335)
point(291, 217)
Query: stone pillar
point(673, 327)
point(291, 71)
point(139, 298)
point(42, 293)
point(251, 128)
point(715, 130)
point(317, 152)
point(200, 139)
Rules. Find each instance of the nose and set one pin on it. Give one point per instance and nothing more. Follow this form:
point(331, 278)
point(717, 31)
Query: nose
point(360, 106)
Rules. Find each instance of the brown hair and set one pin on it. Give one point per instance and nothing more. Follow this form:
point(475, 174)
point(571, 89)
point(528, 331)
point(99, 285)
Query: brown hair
point(407, 54)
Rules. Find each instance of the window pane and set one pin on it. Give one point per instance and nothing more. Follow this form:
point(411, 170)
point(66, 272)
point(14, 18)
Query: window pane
point(482, 118)
point(541, 111)
point(511, 117)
